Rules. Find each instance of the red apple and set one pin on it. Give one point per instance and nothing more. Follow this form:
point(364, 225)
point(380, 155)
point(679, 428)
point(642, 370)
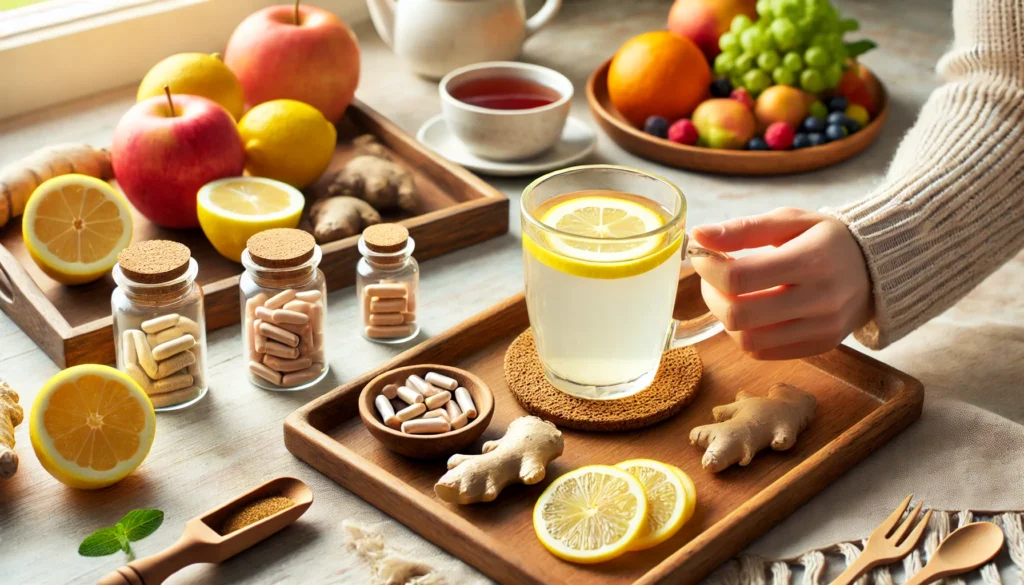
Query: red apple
point(315, 61)
point(161, 158)
point(703, 21)
point(860, 87)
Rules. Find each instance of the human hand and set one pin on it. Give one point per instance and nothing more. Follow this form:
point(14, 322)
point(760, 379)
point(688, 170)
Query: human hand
point(799, 299)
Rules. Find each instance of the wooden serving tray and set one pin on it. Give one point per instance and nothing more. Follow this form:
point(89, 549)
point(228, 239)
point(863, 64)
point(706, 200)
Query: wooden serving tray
point(73, 324)
point(862, 403)
point(726, 162)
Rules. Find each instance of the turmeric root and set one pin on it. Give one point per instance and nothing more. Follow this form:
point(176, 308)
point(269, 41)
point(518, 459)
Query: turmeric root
point(19, 179)
point(750, 424)
point(521, 455)
point(335, 218)
point(11, 416)
point(373, 177)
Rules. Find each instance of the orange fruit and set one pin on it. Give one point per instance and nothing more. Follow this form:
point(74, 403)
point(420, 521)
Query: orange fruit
point(91, 426)
point(74, 226)
point(658, 74)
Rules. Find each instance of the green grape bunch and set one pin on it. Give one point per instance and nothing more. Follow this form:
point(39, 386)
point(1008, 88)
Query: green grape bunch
point(793, 42)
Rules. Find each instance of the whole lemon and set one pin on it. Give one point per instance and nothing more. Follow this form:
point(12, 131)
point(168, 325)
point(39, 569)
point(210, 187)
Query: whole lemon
point(195, 74)
point(287, 140)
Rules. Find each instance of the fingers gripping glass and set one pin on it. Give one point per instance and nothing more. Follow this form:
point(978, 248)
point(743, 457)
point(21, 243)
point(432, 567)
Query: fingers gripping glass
point(602, 251)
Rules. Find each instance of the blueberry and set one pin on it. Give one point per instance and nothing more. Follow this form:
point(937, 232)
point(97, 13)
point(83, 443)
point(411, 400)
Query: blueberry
point(757, 143)
point(843, 120)
point(656, 126)
point(835, 132)
point(817, 138)
point(838, 104)
point(721, 88)
point(812, 124)
point(801, 140)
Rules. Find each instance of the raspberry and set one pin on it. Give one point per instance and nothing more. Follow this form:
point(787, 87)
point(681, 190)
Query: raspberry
point(683, 132)
point(741, 95)
point(779, 136)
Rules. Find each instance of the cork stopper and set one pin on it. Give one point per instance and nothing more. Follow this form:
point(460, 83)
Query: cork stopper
point(674, 386)
point(154, 261)
point(386, 238)
point(281, 247)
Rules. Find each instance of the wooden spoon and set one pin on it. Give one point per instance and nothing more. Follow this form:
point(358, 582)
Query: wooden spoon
point(202, 541)
point(966, 549)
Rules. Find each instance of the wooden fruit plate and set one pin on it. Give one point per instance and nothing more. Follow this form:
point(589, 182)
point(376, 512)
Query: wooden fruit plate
point(73, 324)
point(862, 403)
point(726, 162)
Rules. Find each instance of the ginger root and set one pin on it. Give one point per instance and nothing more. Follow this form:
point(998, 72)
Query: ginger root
point(373, 177)
point(521, 455)
point(11, 416)
point(19, 179)
point(339, 217)
point(750, 424)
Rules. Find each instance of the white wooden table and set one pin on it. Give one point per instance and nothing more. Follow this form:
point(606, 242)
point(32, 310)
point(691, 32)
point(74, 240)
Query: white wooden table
point(232, 440)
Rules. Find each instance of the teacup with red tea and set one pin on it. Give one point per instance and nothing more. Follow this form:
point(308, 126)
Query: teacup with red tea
point(506, 110)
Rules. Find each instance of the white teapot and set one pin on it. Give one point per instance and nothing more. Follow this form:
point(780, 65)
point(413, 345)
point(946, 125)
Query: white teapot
point(434, 37)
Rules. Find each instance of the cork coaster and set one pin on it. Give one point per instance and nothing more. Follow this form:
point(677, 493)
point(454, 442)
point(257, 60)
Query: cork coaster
point(674, 387)
point(154, 261)
point(385, 238)
point(281, 247)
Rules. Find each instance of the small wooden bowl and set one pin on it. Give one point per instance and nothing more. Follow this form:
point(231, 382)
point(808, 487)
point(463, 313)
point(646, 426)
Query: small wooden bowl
point(726, 162)
point(427, 446)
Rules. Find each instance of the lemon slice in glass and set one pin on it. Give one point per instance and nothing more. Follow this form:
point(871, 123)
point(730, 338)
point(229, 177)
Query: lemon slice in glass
point(234, 209)
point(605, 218)
point(668, 500)
point(590, 515)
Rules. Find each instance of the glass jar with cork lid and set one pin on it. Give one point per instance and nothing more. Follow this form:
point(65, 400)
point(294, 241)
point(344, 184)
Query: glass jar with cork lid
point(159, 322)
point(284, 309)
point(387, 282)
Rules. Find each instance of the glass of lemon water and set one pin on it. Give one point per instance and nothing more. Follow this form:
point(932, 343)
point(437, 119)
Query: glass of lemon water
point(602, 251)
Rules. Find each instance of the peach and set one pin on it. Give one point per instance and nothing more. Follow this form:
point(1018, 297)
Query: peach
point(703, 21)
point(860, 87)
point(724, 123)
point(781, 103)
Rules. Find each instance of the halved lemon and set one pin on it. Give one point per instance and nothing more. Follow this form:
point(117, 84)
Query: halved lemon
point(613, 220)
point(668, 500)
point(74, 226)
point(590, 515)
point(91, 426)
point(234, 209)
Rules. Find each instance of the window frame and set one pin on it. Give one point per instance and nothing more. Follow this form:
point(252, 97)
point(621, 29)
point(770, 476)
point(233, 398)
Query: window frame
point(59, 51)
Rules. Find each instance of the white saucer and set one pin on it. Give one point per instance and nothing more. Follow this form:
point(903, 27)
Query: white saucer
point(577, 141)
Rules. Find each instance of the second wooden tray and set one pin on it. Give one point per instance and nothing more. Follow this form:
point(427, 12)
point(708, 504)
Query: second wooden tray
point(73, 325)
point(862, 403)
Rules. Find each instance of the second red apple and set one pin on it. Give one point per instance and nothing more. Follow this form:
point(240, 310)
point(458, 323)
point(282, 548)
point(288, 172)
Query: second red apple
point(314, 60)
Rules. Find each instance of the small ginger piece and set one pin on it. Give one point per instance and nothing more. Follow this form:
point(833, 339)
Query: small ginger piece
point(374, 177)
point(339, 217)
point(750, 424)
point(522, 455)
point(20, 178)
point(11, 416)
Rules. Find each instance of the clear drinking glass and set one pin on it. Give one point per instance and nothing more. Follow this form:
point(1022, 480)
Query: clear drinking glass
point(601, 308)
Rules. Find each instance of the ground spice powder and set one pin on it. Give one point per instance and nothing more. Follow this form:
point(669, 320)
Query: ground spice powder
point(254, 512)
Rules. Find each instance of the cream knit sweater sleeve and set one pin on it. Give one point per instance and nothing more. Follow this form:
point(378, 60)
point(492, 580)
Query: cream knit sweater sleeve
point(951, 209)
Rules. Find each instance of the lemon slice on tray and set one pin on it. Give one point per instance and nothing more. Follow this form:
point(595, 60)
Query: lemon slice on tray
point(591, 514)
point(670, 502)
point(91, 426)
point(614, 221)
point(74, 226)
point(234, 209)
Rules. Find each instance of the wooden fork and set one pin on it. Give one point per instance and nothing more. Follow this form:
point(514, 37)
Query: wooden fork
point(888, 543)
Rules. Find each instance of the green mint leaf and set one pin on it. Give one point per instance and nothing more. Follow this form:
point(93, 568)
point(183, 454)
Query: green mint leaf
point(858, 48)
point(139, 524)
point(122, 537)
point(103, 542)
